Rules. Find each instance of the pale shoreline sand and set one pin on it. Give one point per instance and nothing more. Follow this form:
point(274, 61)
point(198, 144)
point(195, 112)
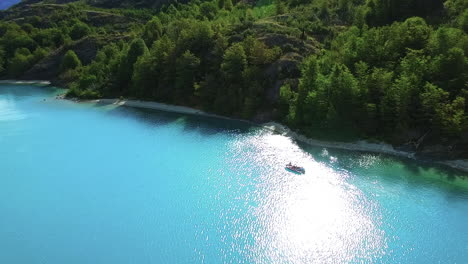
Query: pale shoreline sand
point(32, 82)
point(361, 145)
point(156, 106)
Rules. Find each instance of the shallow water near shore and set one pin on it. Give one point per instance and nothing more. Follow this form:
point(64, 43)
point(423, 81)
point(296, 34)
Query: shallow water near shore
point(86, 183)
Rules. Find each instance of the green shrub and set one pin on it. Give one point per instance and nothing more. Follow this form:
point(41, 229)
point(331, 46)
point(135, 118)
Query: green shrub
point(70, 61)
point(79, 30)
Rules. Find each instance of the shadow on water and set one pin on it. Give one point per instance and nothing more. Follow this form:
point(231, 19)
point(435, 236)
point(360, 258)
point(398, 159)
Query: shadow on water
point(393, 170)
point(415, 173)
point(19, 91)
point(202, 124)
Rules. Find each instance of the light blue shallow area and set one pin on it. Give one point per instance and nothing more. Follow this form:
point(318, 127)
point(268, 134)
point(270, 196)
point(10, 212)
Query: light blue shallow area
point(5, 4)
point(86, 183)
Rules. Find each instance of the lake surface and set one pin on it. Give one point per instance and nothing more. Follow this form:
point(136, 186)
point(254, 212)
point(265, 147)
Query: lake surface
point(85, 183)
point(5, 4)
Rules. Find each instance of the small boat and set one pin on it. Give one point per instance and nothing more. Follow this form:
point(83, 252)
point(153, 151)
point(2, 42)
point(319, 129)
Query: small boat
point(295, 169)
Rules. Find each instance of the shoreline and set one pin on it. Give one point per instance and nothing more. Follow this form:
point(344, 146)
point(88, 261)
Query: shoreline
point(157, 106)
point(32, 82)
point(361, 145)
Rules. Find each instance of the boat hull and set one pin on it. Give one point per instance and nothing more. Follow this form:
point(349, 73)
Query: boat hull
point(295, 172)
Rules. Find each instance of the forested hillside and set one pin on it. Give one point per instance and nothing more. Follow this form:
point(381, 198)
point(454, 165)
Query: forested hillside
point(393, 70)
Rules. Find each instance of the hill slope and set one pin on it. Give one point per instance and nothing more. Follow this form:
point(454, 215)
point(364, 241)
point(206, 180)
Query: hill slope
point(108, 3)
point(393, 70)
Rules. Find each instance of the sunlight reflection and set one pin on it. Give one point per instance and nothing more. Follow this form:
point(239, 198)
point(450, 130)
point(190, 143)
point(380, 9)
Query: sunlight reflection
point(313, 218)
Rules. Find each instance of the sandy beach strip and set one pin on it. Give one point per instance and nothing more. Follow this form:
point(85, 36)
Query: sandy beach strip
point(158, 106)
point(32, 82)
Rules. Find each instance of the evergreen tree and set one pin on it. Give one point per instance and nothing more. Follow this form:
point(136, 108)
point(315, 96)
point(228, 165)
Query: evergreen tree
point(153, 31)
point(233, 66)
point(137, 48)
point(310, 71)
point(234, 63)
point(228, 5)
point(281, 7)
point(187, 66)
point(70, 61)
point(79, 30)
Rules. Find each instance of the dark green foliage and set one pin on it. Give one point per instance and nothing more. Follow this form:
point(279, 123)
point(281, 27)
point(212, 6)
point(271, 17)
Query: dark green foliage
point(186, 72)
point(463, 21)
point(23, 60)
point(208, 9)
point(234, 63)
point(49, 38)
point(70, 61)
point(386, 80)
point(137, 48)
point(13, 40)
point(281, 7)
point(20, 62)
point(153, 31)
point(383, 12)
point(79, 30)
point(227, 4)
point(377, 68)
point(2, 61)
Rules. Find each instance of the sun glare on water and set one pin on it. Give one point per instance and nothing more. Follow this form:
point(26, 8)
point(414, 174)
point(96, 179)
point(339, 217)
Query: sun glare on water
point(313, 218)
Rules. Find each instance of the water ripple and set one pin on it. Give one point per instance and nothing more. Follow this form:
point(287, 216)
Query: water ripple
point(9, 111)
point(313, 218)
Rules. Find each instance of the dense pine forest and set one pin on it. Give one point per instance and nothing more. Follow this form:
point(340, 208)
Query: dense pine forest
point(393, 70)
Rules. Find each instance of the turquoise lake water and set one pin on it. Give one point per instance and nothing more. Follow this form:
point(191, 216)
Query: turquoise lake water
point(85, 183)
